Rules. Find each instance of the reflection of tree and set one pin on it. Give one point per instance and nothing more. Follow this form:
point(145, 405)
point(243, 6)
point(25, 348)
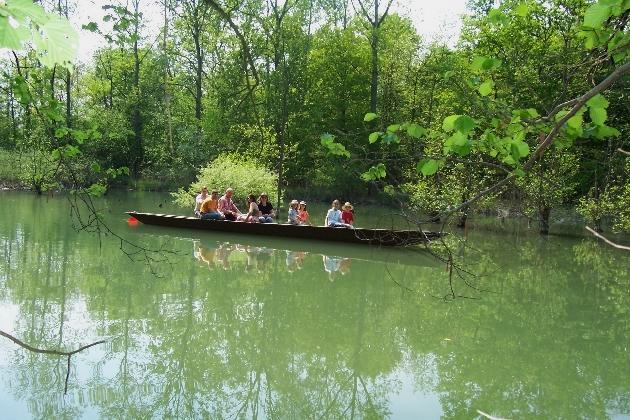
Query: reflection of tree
point(535, 350)
point(68, 354)
point(547, 339)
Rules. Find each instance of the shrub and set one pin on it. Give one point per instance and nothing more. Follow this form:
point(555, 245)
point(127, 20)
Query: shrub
point(244, 176)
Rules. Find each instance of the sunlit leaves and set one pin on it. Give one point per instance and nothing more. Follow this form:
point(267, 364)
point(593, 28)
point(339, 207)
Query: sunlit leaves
point(428, 167)
point(598, 115)
point(52, 36)
point(462, 123)
point(369, 117)
point(486, 88)
point(328, 141)
point(375, 173)
point(485, 64)
point(96, 190)
point(599, 28)
point(57, 42)
point(373, 137)
point(416, 131)
point(449, 123)
point(596, 15)
point(597, 109)
point(519, 149)
point(391, 135)
point(522, 9)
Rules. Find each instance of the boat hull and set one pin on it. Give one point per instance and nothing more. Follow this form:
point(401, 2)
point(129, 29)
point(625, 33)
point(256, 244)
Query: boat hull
point(384, 237)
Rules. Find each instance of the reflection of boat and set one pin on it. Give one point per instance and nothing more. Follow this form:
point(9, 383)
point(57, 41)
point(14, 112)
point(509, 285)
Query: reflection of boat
point(384, 237)
point(293, 251)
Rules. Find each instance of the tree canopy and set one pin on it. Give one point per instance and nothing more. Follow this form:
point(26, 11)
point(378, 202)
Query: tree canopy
point(529, 108)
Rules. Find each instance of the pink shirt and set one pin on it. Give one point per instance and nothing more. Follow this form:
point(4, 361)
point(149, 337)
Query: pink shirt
point(226, 204)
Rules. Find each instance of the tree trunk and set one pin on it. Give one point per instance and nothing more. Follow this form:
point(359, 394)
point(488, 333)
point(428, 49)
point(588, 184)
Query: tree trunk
point(544, 212)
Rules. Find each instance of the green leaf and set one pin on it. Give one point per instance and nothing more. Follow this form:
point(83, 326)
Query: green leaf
point(486, 88)
point(96, 190)
point(53, 37)
point(428, 167)
point(369, 116)
point(596, 15)
point(393, 128)
point(464, 124)
point(326, 139)
point(416, 131)
point(389, 138)
point(58, 43)
point(485, 64)
point(374, 173)
point(91, 26)
point(522, 10)
point(10, 37)
point(598, 115)
point(598, 101)
point(373, 138)
point(575, 121)
point(61, 132)
point(519, 149)
point(449, 123)
point(603, 131)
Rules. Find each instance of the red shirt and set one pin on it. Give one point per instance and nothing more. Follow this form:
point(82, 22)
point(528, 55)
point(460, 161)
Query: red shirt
point(347, 217)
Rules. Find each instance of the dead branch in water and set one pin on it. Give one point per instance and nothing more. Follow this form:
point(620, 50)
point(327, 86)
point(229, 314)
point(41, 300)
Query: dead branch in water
point(608, 241)
point(55, 352)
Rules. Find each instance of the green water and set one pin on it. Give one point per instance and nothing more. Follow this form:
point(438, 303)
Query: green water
point(202, 325)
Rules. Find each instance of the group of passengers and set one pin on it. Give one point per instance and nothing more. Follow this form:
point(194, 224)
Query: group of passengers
point(209, 206)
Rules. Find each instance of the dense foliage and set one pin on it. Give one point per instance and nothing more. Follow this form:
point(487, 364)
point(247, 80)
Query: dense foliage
point(529, 107)
point(245, 177)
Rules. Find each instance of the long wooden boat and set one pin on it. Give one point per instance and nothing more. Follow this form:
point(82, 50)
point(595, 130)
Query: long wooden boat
point(384, 237)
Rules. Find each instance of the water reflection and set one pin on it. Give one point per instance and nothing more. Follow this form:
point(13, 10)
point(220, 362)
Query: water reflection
point(225, 255)
point(244, 328)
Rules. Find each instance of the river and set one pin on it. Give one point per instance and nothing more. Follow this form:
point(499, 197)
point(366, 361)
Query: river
point(188, 324)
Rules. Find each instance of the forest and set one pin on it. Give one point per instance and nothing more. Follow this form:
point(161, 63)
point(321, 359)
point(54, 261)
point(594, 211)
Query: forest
point(527, 111)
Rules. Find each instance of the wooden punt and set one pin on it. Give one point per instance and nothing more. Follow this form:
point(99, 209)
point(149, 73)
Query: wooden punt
point(383, 237)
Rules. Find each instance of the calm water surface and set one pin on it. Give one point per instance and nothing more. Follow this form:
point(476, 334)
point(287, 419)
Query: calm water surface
point(201, 325)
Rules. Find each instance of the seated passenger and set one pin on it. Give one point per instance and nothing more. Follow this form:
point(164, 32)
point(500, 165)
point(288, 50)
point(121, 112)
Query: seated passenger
point(209, 209)
point(333, 216)
point(253, 213)
point(293, 213)
point(347, 214)
point(266, 209)
point(303, 214)
point(227, 206)
point(199, 199)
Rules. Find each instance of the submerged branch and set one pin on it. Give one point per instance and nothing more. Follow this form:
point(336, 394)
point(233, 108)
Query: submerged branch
point(608, 241)
point(47, 351)
point(68, 354)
